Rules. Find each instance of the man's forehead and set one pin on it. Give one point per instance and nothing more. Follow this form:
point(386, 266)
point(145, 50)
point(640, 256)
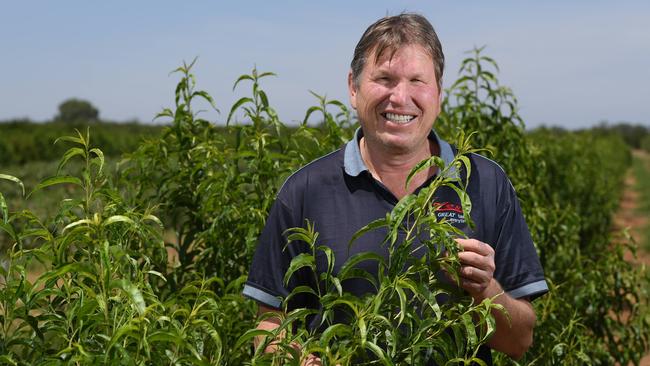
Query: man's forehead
point(381, 53)
point(380, 59)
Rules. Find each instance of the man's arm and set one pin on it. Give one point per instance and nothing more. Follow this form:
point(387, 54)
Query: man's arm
point(273, 322)
point(513, 336)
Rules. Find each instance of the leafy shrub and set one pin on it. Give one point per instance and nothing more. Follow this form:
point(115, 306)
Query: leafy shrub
point(99, 296)
point(216, 186)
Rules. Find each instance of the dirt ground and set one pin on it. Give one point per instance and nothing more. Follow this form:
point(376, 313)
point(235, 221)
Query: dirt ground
point(629, 217)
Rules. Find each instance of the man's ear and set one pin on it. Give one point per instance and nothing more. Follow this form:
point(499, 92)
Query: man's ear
point(352, 90)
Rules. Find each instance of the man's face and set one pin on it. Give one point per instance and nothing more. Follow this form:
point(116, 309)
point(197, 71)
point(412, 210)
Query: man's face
point(397, 99)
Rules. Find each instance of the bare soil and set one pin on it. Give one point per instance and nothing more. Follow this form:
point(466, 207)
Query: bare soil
point(628, 217)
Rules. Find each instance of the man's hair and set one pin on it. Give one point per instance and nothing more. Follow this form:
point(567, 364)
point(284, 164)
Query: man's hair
point(391, 33)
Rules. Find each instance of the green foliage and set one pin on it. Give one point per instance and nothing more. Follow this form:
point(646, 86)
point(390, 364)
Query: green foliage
point(568, 185)
point(632, 134)
point(645, 143)
point(216, 186)
point(77, 110)
point(641, 171)
point(23, 142)
point(100, 297)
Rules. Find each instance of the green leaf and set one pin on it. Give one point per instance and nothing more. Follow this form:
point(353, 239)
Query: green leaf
point(4, 209)
point(157, 274)
point(247, 338)
point(335, 330)
point(265, 74)
point(329, 254)
point(466, 164)
point(76, 140)
point(207, 97)
point(118, 218)
point(6, 359)
point(398, 214)
point(311, 110)
point(13, 179)
point(241, 78)
point(470, 330)
point(379, 353)
point(350, 264)
point(9, 229)
point(153, 218)
point(425, 164)
point(165, 336)
point(465, 203)
point(121, 332)
point(133, 292)
point(76, 223)
point(100, 156)
point(300, 290)
point(264, 99)
point(236, 106)
point(402, 304)
point(33, 322)
point(300, 261)
point(72, 152)
point(363, 330)
point(371, 226)
point(61, 179)
point(306, 235)
point(76, 268)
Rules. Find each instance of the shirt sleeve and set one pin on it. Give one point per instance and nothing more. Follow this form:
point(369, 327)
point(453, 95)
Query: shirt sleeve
point(518, 269)
point(272, 258)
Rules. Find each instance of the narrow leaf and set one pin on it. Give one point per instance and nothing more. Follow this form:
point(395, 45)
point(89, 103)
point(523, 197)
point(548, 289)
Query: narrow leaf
point(236, 106)
point(424, 164)
point(300, 261)
point(100, 157)
point(118, 218)
point(371, 226)
point(72, 152)
point(13, 179)
point(62, 179)
point(4, 209)
point(132, 292)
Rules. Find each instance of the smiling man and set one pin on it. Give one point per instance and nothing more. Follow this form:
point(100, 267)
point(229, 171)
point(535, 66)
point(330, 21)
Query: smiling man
point(395, 86)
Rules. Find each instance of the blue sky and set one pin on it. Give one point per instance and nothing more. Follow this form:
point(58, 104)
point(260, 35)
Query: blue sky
point(571, 64)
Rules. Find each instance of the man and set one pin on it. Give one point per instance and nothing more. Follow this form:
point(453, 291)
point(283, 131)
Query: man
point(395, 86)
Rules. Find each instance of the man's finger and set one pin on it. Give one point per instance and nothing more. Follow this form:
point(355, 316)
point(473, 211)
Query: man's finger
point(479, 261)
point(473, 245)
point(474, 274)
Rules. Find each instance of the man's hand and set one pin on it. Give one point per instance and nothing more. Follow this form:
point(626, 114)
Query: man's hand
point(312, 360)
point(477, 268)
point(514, 333)
point(272, 323)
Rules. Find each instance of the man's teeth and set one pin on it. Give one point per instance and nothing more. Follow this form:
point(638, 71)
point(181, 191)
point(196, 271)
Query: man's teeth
point(398, 118)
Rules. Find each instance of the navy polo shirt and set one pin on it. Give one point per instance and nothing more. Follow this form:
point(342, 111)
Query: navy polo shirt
point(338, 195)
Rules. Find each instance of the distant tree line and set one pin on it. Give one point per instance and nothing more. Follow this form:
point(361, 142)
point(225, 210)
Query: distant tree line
point(635, 135)
point(24, 140)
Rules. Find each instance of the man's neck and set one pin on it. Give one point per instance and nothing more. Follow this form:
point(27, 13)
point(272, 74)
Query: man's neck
point(392, 168)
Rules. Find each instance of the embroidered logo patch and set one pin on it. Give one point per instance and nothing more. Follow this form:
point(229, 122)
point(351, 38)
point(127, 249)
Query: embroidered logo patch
point(450, 212)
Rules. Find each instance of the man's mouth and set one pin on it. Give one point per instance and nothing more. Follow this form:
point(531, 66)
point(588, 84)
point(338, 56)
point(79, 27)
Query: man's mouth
point(398, 118)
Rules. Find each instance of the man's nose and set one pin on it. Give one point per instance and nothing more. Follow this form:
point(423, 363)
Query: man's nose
point(399, 93)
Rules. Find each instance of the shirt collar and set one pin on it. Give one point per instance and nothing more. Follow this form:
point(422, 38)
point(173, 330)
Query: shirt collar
point(354, 165)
